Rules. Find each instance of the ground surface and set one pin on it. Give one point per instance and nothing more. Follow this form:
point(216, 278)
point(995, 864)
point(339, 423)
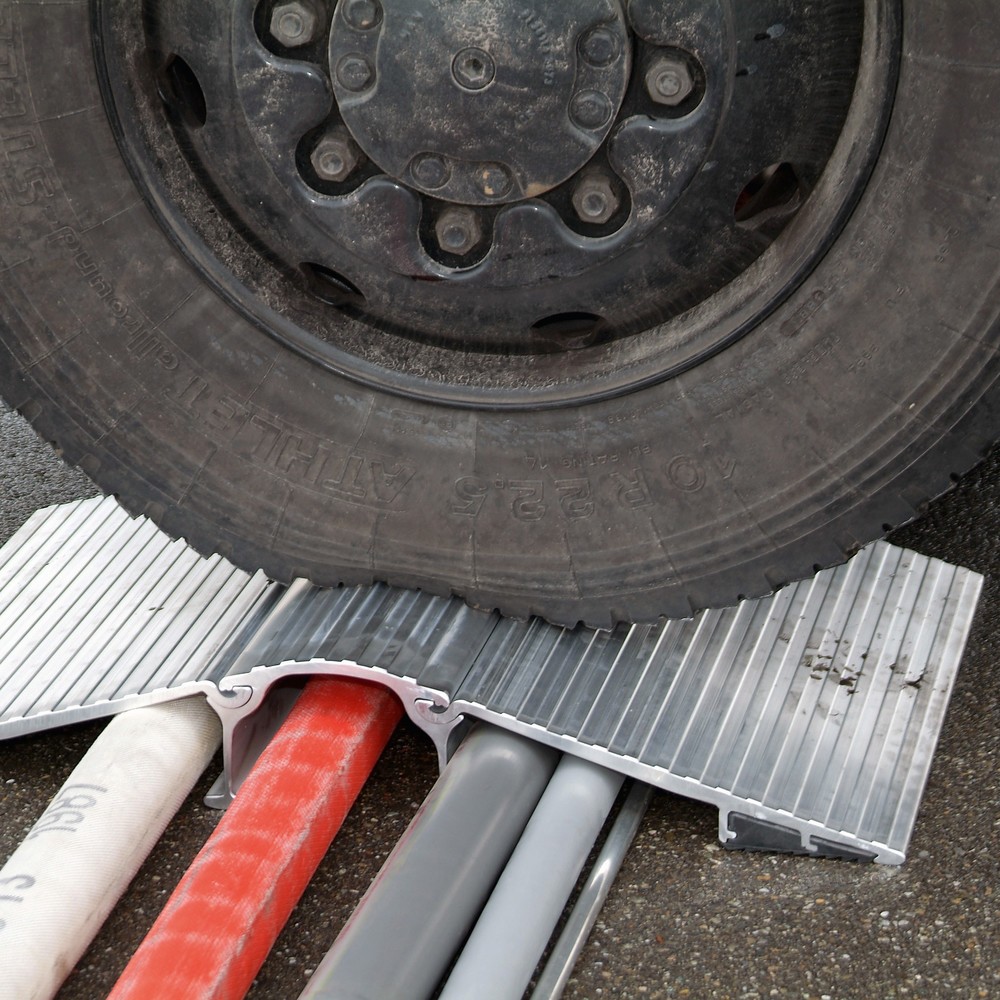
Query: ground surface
point(685, 919)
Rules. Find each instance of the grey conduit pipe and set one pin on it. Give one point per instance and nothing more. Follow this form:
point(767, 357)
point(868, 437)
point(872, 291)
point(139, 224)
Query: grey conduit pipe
point(583, 916)
point(404, 934)
point(524, 908)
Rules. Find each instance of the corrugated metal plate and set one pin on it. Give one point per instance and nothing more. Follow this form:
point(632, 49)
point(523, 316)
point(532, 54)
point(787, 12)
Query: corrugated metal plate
point(100, 611)
point(808, 718)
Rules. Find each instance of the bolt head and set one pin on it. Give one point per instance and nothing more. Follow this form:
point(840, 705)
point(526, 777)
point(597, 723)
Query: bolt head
point(494, 180)
point(590, 109)
point(595, 200)
point(335, 158)
point(599, 46)
point(473, 69)
point(355, 72)
point(430, 171)
point(669, 82)
point(362, 15)
point(458, 230)
point(295, 23)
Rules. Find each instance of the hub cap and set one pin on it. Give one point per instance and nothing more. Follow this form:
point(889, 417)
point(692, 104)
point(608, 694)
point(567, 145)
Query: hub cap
point(478, 102)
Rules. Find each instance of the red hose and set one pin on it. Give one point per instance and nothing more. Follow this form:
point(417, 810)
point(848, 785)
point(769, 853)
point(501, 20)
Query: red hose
point(223, 918)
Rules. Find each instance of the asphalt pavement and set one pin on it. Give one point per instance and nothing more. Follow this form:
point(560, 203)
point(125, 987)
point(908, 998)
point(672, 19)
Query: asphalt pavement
point(685, 918)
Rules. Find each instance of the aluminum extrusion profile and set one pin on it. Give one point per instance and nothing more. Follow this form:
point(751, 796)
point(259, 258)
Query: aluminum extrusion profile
point(100, 612)
point(809, 718)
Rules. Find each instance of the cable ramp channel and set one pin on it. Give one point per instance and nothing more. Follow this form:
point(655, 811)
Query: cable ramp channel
point(809, 718)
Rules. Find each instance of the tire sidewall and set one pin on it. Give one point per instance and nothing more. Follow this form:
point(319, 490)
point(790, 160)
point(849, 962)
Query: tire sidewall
point(737, 475)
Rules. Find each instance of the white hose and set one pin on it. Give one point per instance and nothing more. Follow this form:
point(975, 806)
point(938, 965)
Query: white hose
point(524, 908)
point(62, 882)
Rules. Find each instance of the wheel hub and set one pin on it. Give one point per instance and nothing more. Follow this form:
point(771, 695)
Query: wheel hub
point(479, 102)
point(502, 204)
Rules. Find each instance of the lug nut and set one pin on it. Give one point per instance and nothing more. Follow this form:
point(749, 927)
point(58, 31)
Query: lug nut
point(595, 200)
point(335, 157)
point(296, 23)
point(669, 81)
point(458, 230)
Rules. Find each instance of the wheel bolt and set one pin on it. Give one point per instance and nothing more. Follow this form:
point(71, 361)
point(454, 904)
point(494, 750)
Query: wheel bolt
point(599, 46)
point(590, 109)
point(458, 230)
point(335, 157)
point(669, 81)
point(362, 14)
point(595, 200)
point(355, 72)
point(296, 23)
point(430, 171)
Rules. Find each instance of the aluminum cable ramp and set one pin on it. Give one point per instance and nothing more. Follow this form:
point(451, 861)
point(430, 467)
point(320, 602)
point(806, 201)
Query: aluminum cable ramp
point(809, 718)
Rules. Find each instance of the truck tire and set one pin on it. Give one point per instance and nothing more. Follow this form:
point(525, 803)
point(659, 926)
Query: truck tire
point(601, 311)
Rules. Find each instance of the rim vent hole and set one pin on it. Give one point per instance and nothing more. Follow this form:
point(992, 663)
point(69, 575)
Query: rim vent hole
point(570, 331)
point(776, 191)
point(331, 287)
point(182, 93)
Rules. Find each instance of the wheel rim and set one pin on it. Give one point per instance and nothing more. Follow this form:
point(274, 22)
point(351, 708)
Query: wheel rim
point(685, 175)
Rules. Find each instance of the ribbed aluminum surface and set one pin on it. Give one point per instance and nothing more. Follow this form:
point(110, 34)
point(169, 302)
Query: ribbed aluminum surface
point(100, 611)
point(808, 718)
